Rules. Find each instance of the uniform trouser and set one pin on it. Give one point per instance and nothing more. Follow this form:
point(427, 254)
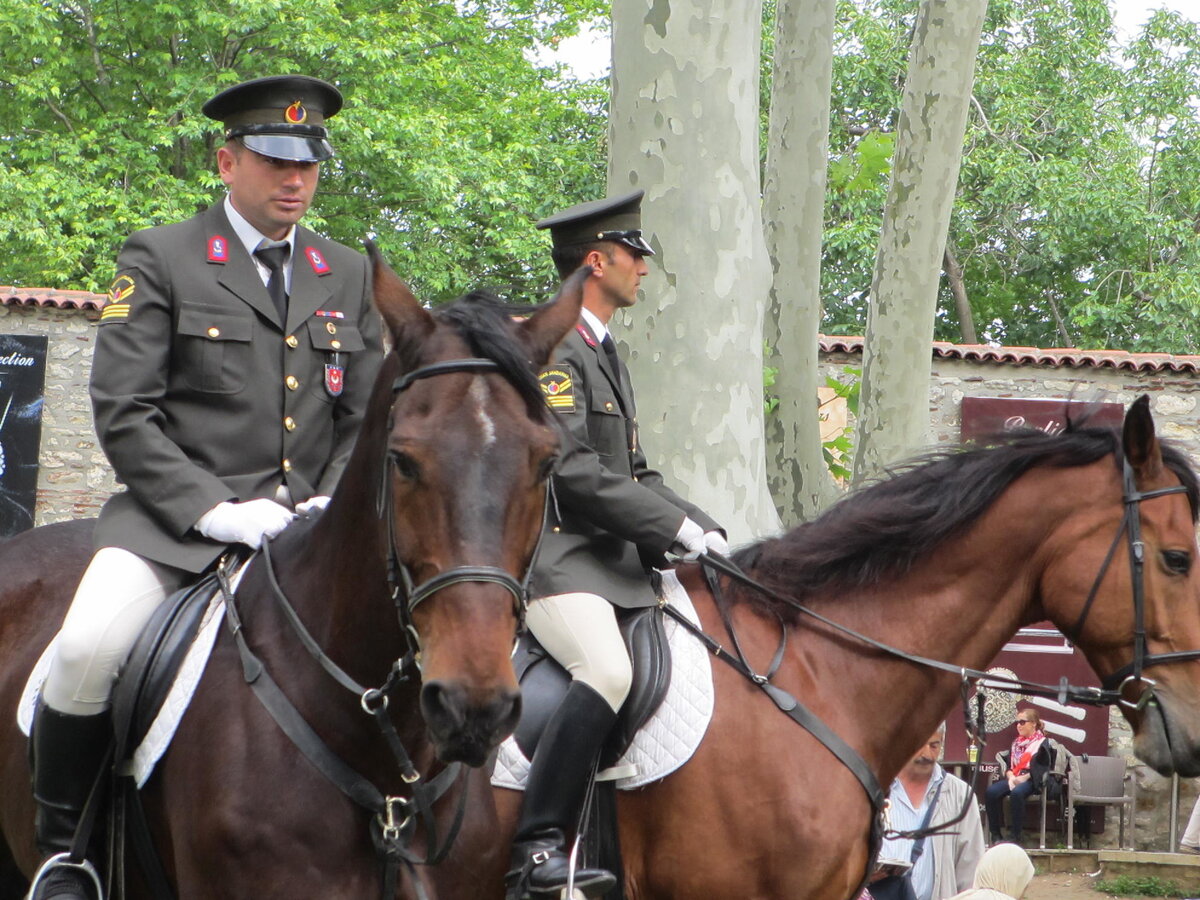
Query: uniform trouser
point(580, 631)
point(112, 604)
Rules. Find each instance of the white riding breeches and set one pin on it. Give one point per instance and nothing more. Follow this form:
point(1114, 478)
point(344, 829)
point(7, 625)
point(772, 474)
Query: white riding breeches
point(112, 604)
point(580, 631)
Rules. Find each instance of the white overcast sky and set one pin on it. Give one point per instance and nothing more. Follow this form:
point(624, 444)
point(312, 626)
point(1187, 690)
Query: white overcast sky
point(588, 54)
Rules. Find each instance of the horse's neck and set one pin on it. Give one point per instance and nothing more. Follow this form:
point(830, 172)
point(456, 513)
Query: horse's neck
point(960, 605)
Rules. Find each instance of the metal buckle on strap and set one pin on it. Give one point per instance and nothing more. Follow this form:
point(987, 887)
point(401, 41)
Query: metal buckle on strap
point(539, 856)
point(395, 808)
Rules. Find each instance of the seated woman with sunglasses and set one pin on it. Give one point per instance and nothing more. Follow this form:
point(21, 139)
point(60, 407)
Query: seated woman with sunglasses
point(1025, 766)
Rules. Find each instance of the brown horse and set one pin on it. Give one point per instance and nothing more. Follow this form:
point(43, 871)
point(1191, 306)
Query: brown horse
point(449, 475)
point(945, 561)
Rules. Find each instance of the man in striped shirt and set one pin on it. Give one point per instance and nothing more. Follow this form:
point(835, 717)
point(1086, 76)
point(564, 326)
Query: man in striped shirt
point(947, 861)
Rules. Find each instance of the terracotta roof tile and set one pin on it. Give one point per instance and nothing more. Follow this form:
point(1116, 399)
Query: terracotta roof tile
point(1058, 357)
point(15, 296)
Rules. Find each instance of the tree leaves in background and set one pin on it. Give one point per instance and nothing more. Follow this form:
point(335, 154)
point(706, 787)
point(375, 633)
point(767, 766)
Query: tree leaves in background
point(454, 139)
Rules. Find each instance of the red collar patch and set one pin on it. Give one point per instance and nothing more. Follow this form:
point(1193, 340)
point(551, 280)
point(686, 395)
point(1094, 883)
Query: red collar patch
point(218, 249)
point(586, 335)
point(316, 260)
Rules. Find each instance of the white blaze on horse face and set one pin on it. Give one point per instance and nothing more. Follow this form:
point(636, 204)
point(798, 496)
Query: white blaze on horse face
point(479, 394)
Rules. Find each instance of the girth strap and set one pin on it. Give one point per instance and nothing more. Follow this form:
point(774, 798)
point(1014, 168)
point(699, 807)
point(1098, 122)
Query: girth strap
point(795, 710)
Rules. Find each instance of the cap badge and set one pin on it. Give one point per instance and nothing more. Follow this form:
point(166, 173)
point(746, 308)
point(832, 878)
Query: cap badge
point(316, 260)
point(218, 249)
point(296, 113)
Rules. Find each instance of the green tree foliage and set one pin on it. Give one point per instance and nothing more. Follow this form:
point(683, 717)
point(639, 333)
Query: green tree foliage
point(1078, 215)
point(453, 139)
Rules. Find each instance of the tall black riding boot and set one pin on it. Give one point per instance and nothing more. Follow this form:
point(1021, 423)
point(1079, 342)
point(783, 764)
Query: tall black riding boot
point(558, 782)
point(67, 754)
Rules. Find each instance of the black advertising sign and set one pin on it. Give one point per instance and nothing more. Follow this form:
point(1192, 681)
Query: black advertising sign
point(22, 384)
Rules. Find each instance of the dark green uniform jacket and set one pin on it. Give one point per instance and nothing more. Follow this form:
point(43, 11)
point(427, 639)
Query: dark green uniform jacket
point(610, 502)
point(201, 394)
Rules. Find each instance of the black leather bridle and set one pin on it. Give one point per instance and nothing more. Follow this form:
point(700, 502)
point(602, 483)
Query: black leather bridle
point(408, 595)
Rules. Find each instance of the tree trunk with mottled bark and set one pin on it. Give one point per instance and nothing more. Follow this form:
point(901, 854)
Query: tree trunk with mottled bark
point(894, 405)
point(793, 215)
point(684, 127)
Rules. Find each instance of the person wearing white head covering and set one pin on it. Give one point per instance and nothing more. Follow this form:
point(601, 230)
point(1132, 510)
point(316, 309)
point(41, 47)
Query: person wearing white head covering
point(1004, 873)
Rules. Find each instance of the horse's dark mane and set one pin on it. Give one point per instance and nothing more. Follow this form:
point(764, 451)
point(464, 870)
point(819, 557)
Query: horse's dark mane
point(485, 323)
point(883, 529)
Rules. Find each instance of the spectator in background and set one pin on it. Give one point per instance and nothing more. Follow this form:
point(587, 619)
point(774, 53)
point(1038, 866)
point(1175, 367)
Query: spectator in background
point(1190, 842)
point(946, 862)
point(1004, 873)
point(1025, 772)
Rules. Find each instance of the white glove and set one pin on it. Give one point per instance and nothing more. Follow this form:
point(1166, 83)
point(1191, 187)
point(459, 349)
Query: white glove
point(245, 523)
point(714, 542)
point(689, 541)
point(312, 504)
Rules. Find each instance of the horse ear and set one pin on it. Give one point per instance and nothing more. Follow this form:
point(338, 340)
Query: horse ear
point(1140, 441)
point(543, 331)
point(407, 321)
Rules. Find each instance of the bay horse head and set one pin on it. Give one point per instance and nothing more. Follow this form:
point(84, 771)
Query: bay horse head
point(469, 447)
point(1129, 594)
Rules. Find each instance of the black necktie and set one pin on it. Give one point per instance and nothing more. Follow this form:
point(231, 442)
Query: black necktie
point(273, 256)
point(610, 350)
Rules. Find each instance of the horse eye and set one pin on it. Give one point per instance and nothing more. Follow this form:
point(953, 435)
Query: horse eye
point(1177, 562)
point(406, 466)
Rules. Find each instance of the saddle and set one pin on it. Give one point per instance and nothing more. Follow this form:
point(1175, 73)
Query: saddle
point(544, 682)
point(150, 670)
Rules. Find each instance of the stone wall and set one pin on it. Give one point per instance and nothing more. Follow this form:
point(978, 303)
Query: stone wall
point(74, 478)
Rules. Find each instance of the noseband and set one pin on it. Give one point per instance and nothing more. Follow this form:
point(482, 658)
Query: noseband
point(406, 594)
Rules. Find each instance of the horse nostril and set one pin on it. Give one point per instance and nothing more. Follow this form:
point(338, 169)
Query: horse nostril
point(443, 706)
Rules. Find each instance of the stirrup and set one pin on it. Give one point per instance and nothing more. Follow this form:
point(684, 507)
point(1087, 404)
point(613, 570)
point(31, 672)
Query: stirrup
point(63, 860)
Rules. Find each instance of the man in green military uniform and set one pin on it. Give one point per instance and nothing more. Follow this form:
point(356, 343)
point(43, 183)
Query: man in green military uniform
point(233, 363)
point(613, 511)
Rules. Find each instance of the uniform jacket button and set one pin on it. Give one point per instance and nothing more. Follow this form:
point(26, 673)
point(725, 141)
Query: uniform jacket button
point(289, 423)
point(291, 341)
point(214, 332)
point(292, 382)
point(287, 465)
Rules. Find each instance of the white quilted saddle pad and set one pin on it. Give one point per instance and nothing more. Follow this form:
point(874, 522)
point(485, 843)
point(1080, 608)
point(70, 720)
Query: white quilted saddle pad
point(162, 729)
point(673, 733)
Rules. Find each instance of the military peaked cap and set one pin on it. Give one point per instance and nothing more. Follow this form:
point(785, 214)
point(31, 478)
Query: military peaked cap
point(611, 219)
point(282, 116)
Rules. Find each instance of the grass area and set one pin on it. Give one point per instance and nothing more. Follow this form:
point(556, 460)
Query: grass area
point(1145, 886)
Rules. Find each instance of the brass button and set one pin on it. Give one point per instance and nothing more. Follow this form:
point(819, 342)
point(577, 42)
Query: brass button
point(287, 465)
point(608, 407)
point(289, 423)
point(331, 328)
point(292, 382)
point(214, 332)
point(336, 345)
point(291, 341)
point(557, 529)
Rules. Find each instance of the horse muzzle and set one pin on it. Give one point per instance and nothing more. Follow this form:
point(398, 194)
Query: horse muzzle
point(464, 727)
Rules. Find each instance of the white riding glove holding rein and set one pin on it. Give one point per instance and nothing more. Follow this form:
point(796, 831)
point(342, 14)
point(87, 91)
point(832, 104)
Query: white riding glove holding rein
point(246, 523)
point(689, 541)
point(312, 504)
point(714, 542)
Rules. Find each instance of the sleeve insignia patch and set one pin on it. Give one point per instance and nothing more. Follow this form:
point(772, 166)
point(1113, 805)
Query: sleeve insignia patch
point(116, 309)
point(558, 387)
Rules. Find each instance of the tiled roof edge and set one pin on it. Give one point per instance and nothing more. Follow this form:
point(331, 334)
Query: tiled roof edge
point(14, 296)
point(1068, 357)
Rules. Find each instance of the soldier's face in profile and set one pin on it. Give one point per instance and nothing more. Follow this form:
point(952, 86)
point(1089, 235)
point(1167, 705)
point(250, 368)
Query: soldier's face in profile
point(623, 275)
point(273, 194)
